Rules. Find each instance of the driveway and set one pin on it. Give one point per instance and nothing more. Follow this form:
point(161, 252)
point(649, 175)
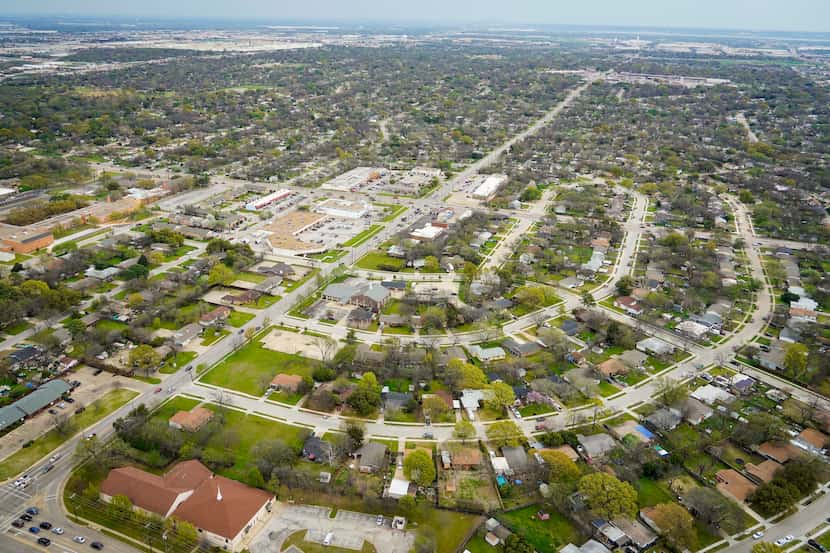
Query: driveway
point(349, 529)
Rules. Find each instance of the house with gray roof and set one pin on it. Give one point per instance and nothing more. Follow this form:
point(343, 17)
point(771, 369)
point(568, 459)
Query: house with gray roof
point(517, 458)
point(371, 456)
point(369, 295)
point(42, 397)
point(596, 446)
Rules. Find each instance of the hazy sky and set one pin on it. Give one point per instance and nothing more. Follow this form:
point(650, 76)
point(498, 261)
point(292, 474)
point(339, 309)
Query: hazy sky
point(804, 15)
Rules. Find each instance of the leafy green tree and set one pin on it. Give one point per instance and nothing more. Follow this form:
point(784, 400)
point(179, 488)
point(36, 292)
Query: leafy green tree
point(254, 478)
point(419, 467)
point(503, 396)
point(560, 467)
point(587, 299)
point(464, 430)
point(431, 264)
point(221, 274)
point(607, 496)
point(515, 543)
point(465, 375)
point(504, 434)
point(144, 357)
point(625, 285)
point(795, 360)
point(676, 525)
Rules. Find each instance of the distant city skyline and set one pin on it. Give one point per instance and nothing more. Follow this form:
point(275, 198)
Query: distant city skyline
point(791, 15)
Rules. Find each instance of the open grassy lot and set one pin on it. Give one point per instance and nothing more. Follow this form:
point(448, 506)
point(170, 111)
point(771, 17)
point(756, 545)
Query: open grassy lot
point(251, 368)
point(450, 527)
point(253, 278)
point(213, 335)
point(266, 300)
point(239, 318)
point(42, 446)
point(379, 261)
point(176, 362)
point(650, 493)
point(17, 327)
point(298, 539)
point(546, 536)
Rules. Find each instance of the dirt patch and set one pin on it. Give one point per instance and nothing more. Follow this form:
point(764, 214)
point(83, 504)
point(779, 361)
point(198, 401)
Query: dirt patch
point(294, 343)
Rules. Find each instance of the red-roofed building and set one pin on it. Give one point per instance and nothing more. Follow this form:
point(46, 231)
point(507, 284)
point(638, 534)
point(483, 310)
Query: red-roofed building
point(192, 420)
point(629, 305)
point(223, 511)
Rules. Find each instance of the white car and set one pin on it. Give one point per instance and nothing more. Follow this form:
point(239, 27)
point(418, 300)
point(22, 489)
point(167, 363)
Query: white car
point(79, 539)
point(784, 541)
point(757, 535)
point(58, 531)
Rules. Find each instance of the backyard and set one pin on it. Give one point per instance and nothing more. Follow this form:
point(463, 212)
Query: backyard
point(546, 536)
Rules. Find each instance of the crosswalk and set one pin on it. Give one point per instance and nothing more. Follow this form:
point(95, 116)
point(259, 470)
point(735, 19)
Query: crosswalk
point(13, 501)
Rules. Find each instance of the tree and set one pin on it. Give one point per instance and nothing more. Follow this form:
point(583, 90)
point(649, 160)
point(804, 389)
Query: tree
point(504, 434)
point(221, 274)
point(254, 478)
point(435, 407)
point(120, 507)
point(502, 396)
point(364, 400)
point(269, 454)
point(435, 317)
point(795, 360)
point(767, 547)
point(715, 510)
point(531, 297)
point(773, 497)
point(759, 428)
point(431, 264)
point(355, 434)
point(418, 466)
point(135, 300)
point(560, 467)
point(669, 391)
point(587, 299)
point(625, 285)
point(516, 544)
point(144, 357)
point(464, 430)
point(803, 474)
point(465, 375)
point(676, 525)
point(607, 496)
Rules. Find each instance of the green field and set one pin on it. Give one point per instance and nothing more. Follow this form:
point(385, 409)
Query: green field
point(266, 300)
point(213, 335)
point(254, 278)
point(650, 493)
point(17, 327)
point(239, 318)
point(546, 536)
point(176, 362)
point(251, 368)
point(379, 261)
point(50, 441)
point(361, 237)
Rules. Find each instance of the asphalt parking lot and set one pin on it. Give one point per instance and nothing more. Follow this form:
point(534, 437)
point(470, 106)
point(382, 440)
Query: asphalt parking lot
point(348, 529)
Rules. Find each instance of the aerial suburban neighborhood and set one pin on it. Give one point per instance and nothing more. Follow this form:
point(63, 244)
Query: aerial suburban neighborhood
point(450, 289)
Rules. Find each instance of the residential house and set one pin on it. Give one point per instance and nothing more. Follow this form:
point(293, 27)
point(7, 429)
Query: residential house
point(360, 318)
point(629, 305)
point(487, 355)
point(467, 458)
point(779, 452)
point(191, 421)
point(520, 349)
point(371, 457)
point(694, 411)
point(372, 296)
point(732, 483)
point(611, 367)
point(217, 315)
point(187, 333)
point(286, 382)
point(517, 459)
point(655, 346)
point(590, 546)
point(710, 395)
point(664, 420)
point(596, 446)
point(763, 472)
point(317, 450)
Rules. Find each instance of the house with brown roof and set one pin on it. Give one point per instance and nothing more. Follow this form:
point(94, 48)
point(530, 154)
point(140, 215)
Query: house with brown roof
point(248, 296)
point(223, 510)
point(781, 452)
point(762, 472)
point(629, 305)
point(192, 420)
point(215, 316)
point(811, 439)
point(734, 484)
point(467, 458)
point(287, 382)
point(611, 367)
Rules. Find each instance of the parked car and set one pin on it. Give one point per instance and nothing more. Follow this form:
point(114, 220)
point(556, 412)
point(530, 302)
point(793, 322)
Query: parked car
point(26, 516)
point(757, 535)
point(19, 523)
point(816, 545)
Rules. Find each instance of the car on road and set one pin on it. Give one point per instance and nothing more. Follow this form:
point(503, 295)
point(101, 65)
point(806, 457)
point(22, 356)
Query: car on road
point(328, 538)
point(816, 545)
point(54, 457)
point(157, 390)
point(44, 541)
point(79, 539)
point(19, 523)
point(26, 516)
point(34, 511)
point(90, 436)
point(48, 467)
point(52, 412)
point(96, 545)
point(70, 400)
point(379, 520)
point(58, 531)
point(780, 542)
point(757, 535)
point(46, 525)
point(34, 530)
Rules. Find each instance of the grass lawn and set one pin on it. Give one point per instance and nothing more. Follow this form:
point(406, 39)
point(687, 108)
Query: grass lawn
point(213, 335)
point(704, 535)
point(266, 300)
point(251, 368)
point(16, 328)
point(478, 545)
point(298, 539)
point(450, 527)
point(173, 406)
point(607, 389)
point(650, 493)
point(110, 325)
point(50, 441)
point(535, 409)
point(329, 256)
point(373, 261)
point(254, 278)
point(181, 359)
point(546, 536)
point(361, 237)
point(239, 318)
